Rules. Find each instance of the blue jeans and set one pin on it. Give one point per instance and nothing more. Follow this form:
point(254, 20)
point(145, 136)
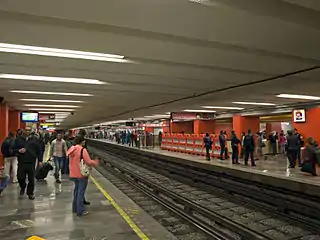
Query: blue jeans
point(58, 161)
point(4, 182)
point(80, 186)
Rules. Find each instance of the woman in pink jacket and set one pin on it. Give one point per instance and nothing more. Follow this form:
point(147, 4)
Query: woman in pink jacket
point(80, 181)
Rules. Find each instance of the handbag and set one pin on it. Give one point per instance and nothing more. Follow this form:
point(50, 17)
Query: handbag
point(84, 168)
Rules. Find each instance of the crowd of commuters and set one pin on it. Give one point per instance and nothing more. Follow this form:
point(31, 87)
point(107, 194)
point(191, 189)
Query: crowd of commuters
point(289, 145)
point(24, 156)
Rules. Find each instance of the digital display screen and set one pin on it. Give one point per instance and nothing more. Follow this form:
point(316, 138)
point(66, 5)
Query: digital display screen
point(29, 117)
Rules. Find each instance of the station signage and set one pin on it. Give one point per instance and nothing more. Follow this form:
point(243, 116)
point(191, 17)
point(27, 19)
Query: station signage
point(153, 125)
point(299, 116)
point(44, 117)
point(192, 116)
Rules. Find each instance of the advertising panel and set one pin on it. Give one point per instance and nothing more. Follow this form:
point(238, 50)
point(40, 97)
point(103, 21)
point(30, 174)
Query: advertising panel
point(299, 116)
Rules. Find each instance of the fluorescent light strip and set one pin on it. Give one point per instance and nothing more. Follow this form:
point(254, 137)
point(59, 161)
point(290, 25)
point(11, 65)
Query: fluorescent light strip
point(294, 96)
point(203, 111)
point(51, 109)
point(51, 79)
point(50, 100)
point(52, 93)
point(44, 105)
point(227, 108)
point(54, 112)
point(255, 103)
point(157, 116)
point(65, 53)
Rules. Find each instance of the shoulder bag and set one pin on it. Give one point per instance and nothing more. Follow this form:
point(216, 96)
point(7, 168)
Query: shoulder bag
point(84, 168)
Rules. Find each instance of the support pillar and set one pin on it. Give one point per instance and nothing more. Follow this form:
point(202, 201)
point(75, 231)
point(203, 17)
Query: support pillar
point(4, 125)
point(14, 120)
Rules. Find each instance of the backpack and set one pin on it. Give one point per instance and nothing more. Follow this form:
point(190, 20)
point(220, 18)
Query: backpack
point(247, 142)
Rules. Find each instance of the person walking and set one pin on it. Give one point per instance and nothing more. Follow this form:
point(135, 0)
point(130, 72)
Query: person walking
point(249, 146)
point(235, 147)
point(293, 147)
point(76, 154)
point(58, 153)
point(28, 150)
point(222, 141)
point(208, 145)
point(10, 158)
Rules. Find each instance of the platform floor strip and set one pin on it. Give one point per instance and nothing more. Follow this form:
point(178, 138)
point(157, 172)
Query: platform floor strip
point(125, 216)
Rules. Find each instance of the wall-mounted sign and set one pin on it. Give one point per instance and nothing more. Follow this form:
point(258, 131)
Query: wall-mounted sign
point(192, 116)
point(299, 116)
point(44, 117)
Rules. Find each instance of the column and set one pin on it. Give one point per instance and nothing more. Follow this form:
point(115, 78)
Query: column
point(243, 124)
point(4, 125)
point(14, 120)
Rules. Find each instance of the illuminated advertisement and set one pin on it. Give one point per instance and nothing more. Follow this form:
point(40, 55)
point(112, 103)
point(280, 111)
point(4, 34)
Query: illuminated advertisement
point(299, 115)
point(29, 117)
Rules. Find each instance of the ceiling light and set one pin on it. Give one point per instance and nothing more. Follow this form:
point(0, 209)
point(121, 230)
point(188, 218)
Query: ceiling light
point(52, 93)
point(51, 109)
point(255, 103)
point(203, 111)
point(51, 100)
point(64, 53)
point(54, 112)
point(303, 97)
point(58, 106)
point(52, 79)
point(157, 116)
point(228, 108)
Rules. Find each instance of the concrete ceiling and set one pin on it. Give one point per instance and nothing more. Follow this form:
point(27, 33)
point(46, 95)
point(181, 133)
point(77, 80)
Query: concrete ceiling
point(185, 54)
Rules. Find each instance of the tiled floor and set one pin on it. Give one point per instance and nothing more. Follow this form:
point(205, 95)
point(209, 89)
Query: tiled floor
point(272, 166)
point(49, 216)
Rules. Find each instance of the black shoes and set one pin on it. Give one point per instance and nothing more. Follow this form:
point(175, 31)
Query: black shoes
point(86, 202)
point(31, 197)
point(58, 181)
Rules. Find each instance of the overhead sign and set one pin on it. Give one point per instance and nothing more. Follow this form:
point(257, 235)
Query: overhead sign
point(299, 116)
point(44, 117)
point(192, 116)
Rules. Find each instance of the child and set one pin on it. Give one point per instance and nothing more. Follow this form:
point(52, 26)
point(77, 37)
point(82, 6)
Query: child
point(4, 180)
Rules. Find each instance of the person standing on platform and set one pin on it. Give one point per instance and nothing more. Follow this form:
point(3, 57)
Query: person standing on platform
point(282, 143)
point(260, 146)
point(222, 141)
point(301, 140)
point(28, 150)
point(310, 158)
point(10, 158)
point(208, 145)
point(160, 138)
point(235, 147)
point(58, 153)
point(293, 146)
point(243, 134)
point(77, 153)
point(249, 148)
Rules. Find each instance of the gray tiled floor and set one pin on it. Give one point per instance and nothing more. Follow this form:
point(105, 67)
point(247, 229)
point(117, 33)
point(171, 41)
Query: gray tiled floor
point(50, 216)
point(272, 166)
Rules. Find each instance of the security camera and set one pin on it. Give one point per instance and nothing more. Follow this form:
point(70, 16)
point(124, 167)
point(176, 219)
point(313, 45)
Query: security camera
point(72, 113)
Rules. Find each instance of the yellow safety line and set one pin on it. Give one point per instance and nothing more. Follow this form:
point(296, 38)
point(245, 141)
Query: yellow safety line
point(125, 216)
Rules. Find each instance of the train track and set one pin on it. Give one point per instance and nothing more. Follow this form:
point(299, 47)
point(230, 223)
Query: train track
point(206, 207)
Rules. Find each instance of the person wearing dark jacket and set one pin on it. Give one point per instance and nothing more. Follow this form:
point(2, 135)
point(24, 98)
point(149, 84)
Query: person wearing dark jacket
point(208, 145)
point(28, 150)
point(10, 158)
point(301, 144)
point(249, 146)
point(293, 146)
point(310, 158)
point(222, 141)
point(235, 147)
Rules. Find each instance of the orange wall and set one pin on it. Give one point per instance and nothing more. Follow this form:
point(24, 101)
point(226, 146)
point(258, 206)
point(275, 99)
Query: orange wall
point(4, 124)
point(179, 127)
point(14, 121)
point(203, 126)
point(311, 127)
point(243, 124)
point(223, 127)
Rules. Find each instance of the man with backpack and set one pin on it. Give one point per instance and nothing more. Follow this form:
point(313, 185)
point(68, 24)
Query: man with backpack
point(10, 158)
point(249, 146)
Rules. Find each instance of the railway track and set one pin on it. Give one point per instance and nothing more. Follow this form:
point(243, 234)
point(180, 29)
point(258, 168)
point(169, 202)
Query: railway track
point(208, 208)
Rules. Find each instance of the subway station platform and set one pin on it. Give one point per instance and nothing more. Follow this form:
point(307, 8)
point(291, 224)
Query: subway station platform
point(50, 215)
point(273, 171)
